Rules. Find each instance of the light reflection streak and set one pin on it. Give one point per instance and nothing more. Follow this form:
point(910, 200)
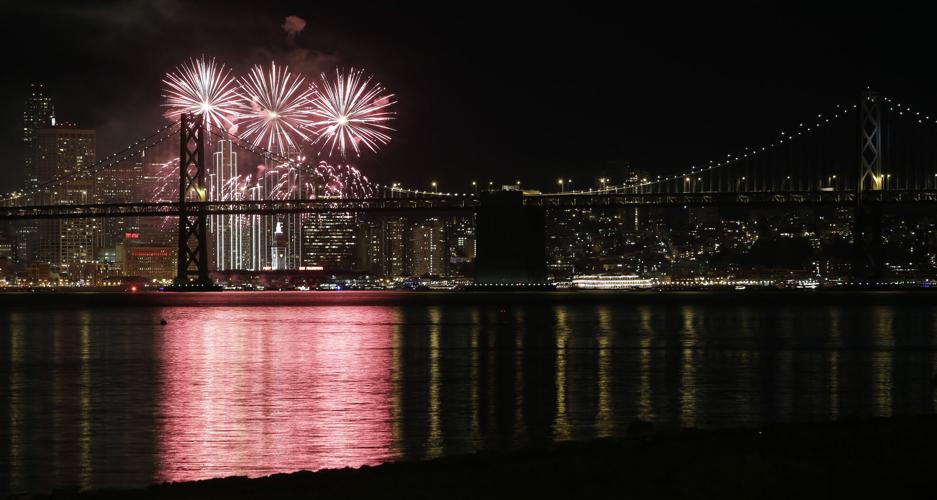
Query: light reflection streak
point(473, 379)
point(85, 470)
point(645, 392)
point(604, 423)
point(434, 440)
point(835, 344)
point(688, 367)
point(561, 427)
point(58, 391)
point(883, 358)
point(397, 384)
point(519, 428)
point(16, 394)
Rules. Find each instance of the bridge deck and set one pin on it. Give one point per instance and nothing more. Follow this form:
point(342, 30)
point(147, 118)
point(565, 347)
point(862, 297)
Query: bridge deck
point(466, 203)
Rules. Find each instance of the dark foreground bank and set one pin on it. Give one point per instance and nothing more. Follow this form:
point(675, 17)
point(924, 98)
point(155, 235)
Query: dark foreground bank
point(886, 458)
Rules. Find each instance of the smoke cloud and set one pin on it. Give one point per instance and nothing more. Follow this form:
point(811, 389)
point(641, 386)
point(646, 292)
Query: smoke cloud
point(292, 25)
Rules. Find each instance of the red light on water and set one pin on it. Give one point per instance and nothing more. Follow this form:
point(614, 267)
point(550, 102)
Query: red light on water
point(236, 400)
point(133, 288)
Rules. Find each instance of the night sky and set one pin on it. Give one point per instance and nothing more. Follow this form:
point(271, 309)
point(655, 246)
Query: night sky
point(486, 91)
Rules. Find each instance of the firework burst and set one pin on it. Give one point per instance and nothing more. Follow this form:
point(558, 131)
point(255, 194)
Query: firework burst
point(350, 111)
point(202, 87)
point(276, 114)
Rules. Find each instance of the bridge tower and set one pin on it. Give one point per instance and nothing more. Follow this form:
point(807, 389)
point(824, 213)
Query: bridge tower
point(192, 256)
point(867, 233)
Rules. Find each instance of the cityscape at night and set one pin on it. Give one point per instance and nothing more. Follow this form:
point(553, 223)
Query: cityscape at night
point(520, 251)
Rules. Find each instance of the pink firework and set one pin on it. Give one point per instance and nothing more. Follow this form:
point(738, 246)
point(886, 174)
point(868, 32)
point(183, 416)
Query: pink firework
point(202, 87)
point(349, 111)
point(276, 114)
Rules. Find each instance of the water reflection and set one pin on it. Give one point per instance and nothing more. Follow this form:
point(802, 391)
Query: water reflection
point(284, 390)
point(108, 398)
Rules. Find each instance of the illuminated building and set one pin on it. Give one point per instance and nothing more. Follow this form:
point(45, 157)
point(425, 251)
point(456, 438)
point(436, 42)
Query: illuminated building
point(117, 184)
point(38, 113)
point(227, 230)
point(64, 151)
point(329, 240)
point(370, 247)
point(428, 248)
point(460, 236)
point(278, 249)
point(147, 261)
point(395, 258)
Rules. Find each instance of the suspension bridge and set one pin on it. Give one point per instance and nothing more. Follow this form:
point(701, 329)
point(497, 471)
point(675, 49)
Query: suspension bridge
point(867, 155)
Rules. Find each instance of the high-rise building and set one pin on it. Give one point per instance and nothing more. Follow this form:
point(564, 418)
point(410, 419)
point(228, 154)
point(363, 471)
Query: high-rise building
point(229, 238)
point(64, 152)
point(428, 248)
point(38, 113)
point(370, 247)
point(329, 240)
point(395, 260)
point(117, 184)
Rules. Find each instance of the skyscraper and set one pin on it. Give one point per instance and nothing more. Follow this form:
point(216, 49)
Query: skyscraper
point(231, 247)
point(64, 151)
point(370, 247)
point(395, 258)
point(117, 184)
point(38, 113)
point(429, 248)
point(329, 240)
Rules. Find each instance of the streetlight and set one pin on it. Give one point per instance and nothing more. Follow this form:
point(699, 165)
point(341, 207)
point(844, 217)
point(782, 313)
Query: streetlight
point(434, 187)
point(560, 182)
point(474, 187)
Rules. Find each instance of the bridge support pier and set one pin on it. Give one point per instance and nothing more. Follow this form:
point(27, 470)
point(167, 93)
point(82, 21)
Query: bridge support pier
point(192, 255)
point(867, 223)
point(511, 241)
point(867, 242)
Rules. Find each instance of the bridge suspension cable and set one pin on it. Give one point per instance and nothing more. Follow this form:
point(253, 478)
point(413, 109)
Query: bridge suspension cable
point(106, 162)
point(804, 128)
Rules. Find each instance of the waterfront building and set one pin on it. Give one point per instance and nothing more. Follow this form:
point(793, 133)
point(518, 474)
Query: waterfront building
point(65, 151)
point(329, 240)
point(428, 248)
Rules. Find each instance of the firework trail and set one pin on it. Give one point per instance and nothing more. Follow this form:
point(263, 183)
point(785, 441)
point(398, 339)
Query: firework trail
point(276, 114)
point(343, 181)
point(202, 87)
point(349, 111)
point(323, 180)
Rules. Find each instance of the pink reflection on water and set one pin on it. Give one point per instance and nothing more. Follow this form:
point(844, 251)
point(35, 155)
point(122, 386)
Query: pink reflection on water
point(256, 390)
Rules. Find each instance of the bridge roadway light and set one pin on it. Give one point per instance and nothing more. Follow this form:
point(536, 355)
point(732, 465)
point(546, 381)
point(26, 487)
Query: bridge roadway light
point(434, 187)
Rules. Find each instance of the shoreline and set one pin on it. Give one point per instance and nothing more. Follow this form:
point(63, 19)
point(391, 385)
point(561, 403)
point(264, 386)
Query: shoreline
point(887, 457)
point(84, 298)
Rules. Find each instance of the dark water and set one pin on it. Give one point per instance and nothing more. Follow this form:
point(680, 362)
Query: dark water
point(103, 396)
